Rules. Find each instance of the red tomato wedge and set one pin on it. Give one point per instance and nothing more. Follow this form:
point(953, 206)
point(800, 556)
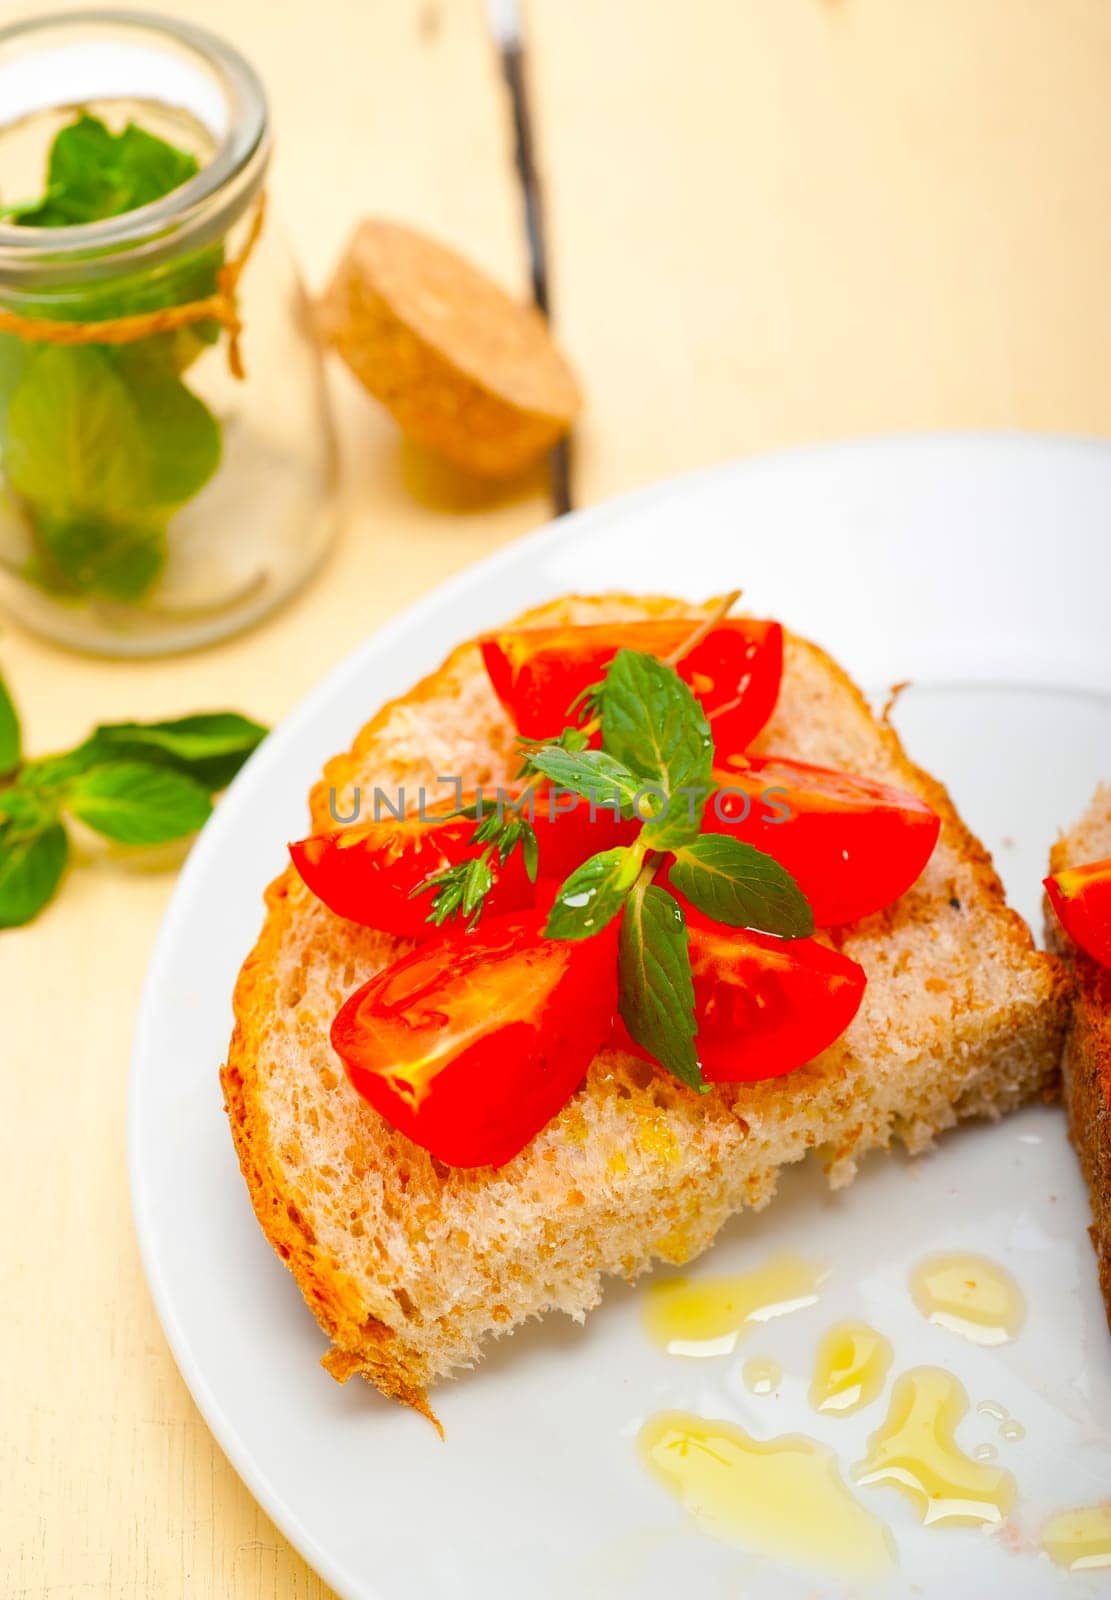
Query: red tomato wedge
point(367, 872)
point(852, 845)
point(763, 1006)
point(766, 1006)
point(735, 670)
point(1081, 897)
point(472, 1043)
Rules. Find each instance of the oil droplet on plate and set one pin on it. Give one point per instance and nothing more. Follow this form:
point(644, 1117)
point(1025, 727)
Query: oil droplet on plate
point(781, 1498)
point(762, 1375)
point(1008, 1428)
point(705, 1316)
point(1079, 1540)
point(915, 1451)
point(992, 1410)
point(984, 1452)
point(969, 1295)
point(850, 1369)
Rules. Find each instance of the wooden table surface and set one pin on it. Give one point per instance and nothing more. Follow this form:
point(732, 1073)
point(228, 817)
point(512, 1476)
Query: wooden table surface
point(771, 221)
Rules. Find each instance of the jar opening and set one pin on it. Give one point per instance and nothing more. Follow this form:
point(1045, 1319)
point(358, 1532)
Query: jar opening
point(69, 60)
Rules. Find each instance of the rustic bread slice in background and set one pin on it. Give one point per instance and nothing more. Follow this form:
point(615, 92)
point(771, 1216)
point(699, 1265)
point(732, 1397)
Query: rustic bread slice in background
point(409, 1265)
point(1086, 1065)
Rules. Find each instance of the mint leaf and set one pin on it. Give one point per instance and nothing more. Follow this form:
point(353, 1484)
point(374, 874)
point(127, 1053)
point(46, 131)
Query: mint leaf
point(656, 989)
point(592, 896)
point(590, 773)
point(734, 883)
point(31, 867)
point(11, 748)
point(103, 449)
point(14, 355)
point(210, 747)
point(97, 554)
point(133, 803)
point(94, 173)
point(77, 452)
point(652, 723)
point(75, 440)
point(182, 437)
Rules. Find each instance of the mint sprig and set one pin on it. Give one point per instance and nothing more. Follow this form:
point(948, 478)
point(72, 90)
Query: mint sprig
point(102, 444)
point(655, 764)
point(655, 732)
point(134, 783)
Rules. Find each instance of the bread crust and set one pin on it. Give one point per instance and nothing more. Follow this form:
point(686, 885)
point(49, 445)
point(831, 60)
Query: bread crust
point(365, 1342)
point(329, 1297)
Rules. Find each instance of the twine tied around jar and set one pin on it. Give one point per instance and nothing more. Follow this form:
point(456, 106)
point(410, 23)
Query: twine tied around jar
point(221, 307)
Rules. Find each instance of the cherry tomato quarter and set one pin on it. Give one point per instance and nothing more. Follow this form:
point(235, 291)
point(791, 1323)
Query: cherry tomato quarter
point(763, 1006)
point(735, 671)
point(1081, 898)
point(851, 844)
point(368, 872)
point(471, 1043)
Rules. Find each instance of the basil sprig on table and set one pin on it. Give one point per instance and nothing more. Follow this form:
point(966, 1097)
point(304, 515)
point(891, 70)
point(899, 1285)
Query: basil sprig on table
point(135, 783)
point(656, 764)
point(101, 444)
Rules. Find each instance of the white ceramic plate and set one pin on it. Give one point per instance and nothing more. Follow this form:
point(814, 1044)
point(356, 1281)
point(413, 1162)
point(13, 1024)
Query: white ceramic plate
point(980, 568)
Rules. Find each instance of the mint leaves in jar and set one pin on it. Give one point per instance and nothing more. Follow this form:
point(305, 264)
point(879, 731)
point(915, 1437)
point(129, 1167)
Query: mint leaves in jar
point(101, 443)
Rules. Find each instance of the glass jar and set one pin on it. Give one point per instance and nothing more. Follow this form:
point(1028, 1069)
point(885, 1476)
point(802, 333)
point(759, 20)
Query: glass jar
point(167, 454)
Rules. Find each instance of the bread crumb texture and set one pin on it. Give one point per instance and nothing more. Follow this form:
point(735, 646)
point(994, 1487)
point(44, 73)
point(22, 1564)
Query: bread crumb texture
point(1086, 1067)
point(409, 1265)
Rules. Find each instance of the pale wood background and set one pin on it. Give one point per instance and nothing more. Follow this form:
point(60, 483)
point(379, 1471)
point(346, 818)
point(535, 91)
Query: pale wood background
point(771, 221)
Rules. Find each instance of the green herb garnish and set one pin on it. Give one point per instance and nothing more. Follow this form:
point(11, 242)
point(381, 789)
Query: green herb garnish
point(101, 444)
point(135, 783)
point(655, 764)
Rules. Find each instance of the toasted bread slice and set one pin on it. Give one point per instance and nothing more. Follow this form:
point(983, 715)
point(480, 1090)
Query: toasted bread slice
point(409, 1265)
point(1086, 1065)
